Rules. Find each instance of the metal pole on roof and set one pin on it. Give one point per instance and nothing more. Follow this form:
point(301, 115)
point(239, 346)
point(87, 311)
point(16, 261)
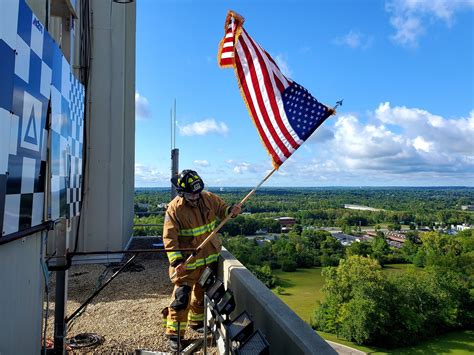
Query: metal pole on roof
point(61, 287)
point(174, 152)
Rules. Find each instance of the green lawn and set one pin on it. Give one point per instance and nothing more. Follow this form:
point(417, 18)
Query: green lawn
point(303, 289)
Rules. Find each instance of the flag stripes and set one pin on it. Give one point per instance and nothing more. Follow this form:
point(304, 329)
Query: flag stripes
point(226, 54)
point(263, 84)
point(284, 113)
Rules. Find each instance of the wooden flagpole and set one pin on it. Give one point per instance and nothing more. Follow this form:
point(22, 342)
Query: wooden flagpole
point(225, 220)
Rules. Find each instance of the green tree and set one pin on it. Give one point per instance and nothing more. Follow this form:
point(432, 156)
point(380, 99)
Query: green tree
point(355, 303)
point(361, 249)
point(380, 249)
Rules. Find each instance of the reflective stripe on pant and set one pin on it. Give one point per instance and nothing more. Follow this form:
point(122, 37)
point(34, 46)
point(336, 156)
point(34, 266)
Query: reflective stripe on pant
point(181, 305)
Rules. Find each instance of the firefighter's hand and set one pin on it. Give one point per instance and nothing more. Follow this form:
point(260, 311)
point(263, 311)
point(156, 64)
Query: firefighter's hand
point(180, 269)
point(235, 210)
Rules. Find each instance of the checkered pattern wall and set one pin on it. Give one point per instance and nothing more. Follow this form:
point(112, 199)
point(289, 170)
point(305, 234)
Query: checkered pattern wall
point(76, 109)
point(67, 130)
point(33, 70)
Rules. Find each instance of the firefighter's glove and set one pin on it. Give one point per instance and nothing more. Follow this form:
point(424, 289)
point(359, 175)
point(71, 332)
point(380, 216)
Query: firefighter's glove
point(177, 262)
point(180, 268)
point(234, 210)
point(181, 298)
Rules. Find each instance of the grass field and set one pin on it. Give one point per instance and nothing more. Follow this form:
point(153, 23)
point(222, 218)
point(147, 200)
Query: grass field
point(303, 290)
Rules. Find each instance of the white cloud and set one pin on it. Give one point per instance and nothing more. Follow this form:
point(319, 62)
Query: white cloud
point(448, 135)
point(204, 127)
point(355, 39)
point(411, 17)
point(244, 167)
point(421, 144)
point(408, 30)
point(201, 163)
point(282, 63)
point(418, 142)
point(241, 168)
point(146, 175)
point(322, 135)
point(397, 146)
point(142, 107)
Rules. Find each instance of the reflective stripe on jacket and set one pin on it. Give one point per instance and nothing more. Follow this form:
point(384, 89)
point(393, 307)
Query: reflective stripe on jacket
point(187, 226)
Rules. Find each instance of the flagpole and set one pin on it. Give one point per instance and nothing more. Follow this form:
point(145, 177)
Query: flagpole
point(225, 220)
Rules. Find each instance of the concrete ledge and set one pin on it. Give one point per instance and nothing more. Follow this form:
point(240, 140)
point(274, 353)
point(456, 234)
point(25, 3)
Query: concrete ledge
point(284, 330)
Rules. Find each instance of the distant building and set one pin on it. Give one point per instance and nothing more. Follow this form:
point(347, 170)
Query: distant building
point(467, 208)
point(361, 208)
point(372, 234)
point(461, 227)
point(286, 223)
point(345, 239)
point(395, 239)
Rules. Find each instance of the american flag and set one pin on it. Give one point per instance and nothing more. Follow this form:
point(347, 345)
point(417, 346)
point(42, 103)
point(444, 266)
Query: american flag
point(285, 113)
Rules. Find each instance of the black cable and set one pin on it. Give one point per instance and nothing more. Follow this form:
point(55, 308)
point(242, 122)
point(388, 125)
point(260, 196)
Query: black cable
point(47, 15)
point(100, 281)
point(94, 294)
point(84, 340)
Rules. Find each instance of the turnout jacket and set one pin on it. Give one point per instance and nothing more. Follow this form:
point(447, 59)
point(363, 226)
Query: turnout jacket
point(187, 226)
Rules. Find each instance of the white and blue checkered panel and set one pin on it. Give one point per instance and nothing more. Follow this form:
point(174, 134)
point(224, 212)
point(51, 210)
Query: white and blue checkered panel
point(33, 70)
point(76, 108)
point(67, 130)
point(23, 109)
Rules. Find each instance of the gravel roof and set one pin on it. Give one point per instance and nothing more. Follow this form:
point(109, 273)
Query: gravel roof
point(127, 313)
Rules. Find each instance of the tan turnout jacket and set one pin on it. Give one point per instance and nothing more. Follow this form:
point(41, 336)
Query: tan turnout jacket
point(187, 226)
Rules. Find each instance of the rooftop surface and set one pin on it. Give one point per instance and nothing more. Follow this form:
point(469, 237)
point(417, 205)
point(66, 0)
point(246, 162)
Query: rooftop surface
point(127, 313)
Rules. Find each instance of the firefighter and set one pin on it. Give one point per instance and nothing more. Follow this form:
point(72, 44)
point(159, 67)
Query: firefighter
point(190, 218)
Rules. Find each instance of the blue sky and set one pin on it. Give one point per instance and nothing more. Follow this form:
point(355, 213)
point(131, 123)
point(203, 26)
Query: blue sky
point(405, 69)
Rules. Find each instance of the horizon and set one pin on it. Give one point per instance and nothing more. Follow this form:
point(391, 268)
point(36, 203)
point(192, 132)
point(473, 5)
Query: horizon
point(321, 187)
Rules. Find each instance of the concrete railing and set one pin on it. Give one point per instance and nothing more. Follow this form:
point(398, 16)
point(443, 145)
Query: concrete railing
point(284, 330)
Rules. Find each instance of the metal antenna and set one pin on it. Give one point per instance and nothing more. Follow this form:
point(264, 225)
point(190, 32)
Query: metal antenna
point(171, 129)
point(174, 126)
point(174, 151)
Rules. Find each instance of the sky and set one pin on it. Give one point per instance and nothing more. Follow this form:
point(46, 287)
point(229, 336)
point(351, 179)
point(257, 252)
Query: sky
point(405, 69)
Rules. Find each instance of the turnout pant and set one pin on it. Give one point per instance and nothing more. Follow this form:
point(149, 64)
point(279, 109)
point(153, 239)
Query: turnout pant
point(187, 307)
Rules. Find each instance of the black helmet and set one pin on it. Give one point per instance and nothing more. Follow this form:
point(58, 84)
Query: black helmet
point(188, 181)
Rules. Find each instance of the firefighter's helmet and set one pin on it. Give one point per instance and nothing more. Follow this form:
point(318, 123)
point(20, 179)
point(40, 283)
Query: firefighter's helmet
point(188, 181)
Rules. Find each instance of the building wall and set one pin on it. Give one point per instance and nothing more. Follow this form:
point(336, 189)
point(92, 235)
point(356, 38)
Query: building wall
point(108, 209)
point(107, 215)
point(21, 275)
point(21, 297)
